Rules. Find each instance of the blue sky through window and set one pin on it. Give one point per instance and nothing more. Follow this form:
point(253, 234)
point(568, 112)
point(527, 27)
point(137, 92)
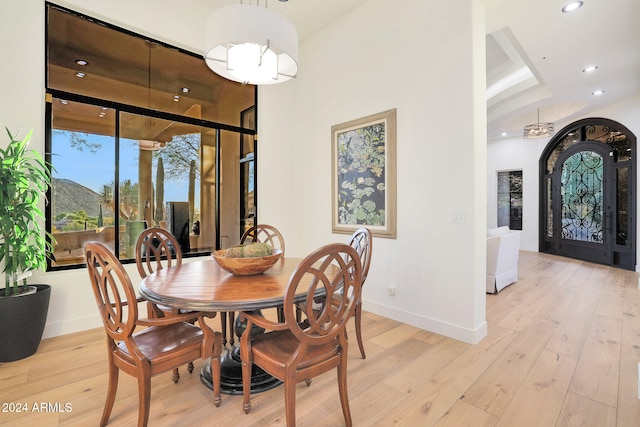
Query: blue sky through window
point(95, 169)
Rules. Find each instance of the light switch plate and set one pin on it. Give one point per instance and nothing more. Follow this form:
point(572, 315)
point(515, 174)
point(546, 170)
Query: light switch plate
point(457, 216)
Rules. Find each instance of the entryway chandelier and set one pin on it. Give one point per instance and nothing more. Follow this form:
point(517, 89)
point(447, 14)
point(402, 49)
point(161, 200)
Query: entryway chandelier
point(538, 130)
point(251, 44)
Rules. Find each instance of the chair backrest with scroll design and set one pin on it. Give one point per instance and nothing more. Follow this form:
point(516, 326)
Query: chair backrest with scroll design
point(156, 248)
point(362, 243)
point(114, 292)
point(265, 234)
point(334, 271)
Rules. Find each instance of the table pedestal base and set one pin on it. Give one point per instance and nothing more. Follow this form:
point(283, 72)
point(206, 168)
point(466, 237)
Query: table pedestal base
point(231, 374)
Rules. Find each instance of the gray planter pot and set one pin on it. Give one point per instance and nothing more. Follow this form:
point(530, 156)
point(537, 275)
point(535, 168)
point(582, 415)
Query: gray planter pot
point(22, 321)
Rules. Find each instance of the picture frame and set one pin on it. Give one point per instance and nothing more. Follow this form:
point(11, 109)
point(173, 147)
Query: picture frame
point(363, 179)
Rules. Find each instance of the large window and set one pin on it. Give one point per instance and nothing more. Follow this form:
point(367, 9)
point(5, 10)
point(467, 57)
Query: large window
point(142, 134)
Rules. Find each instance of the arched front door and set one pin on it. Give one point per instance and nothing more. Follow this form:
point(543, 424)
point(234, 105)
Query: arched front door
point(588, 197)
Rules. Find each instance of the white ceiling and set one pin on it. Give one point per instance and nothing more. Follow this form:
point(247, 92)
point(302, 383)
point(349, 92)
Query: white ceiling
point(556, 47)
point(535, 55)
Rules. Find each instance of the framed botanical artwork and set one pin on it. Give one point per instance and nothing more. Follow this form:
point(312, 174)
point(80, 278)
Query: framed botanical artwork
point(364, 175)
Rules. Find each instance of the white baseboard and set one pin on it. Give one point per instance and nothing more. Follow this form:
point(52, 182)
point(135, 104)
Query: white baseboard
point(471, 336)
point(70, 326)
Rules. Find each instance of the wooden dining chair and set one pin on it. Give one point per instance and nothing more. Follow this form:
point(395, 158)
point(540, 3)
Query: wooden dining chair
point(294, 352)
point(262, 233)
point(361, 241)
point(143, 347)
point(156, 248)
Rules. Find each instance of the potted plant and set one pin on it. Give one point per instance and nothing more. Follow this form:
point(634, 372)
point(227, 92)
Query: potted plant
point(24, 180)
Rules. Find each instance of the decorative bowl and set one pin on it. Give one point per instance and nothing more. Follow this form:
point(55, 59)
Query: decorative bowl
point(246, 266)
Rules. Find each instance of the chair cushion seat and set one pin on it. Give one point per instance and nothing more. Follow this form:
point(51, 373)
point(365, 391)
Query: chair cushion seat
point(156, 342)
point(279, 346)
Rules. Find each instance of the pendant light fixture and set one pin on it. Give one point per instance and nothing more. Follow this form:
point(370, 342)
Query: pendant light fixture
point(538, 130)
point(251, 44)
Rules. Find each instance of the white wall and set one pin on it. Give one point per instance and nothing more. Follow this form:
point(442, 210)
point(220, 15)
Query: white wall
point(378, 57)
point(521, 154)
point(516, 154)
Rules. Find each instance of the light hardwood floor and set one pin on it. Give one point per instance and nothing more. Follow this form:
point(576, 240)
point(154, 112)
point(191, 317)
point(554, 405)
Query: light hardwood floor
point(562, 350)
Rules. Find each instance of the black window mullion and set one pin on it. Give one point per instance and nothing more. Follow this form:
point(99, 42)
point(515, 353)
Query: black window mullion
point(116, 185)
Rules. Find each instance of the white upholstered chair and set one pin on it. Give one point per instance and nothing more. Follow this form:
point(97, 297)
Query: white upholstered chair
point(503, 246)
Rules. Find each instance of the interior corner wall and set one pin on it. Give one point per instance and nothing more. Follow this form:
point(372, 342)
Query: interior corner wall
point(378, 57)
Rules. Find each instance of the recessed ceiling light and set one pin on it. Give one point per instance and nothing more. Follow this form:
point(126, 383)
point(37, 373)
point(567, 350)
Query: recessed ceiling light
point(504, 134)
point(82, 62)
point(185, 89)
point(597, 92)
point(590, 68)
point(570, 7)
point(81, 75)
point(176, 98)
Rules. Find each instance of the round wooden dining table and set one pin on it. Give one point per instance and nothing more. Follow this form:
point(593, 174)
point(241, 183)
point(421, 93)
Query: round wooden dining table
point(204, 286)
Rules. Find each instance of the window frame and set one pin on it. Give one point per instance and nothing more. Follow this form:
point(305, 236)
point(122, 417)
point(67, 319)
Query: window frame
point(510, 174)
point(120, 108)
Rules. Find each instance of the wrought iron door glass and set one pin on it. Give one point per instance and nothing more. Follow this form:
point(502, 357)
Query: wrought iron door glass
point(582, 197)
